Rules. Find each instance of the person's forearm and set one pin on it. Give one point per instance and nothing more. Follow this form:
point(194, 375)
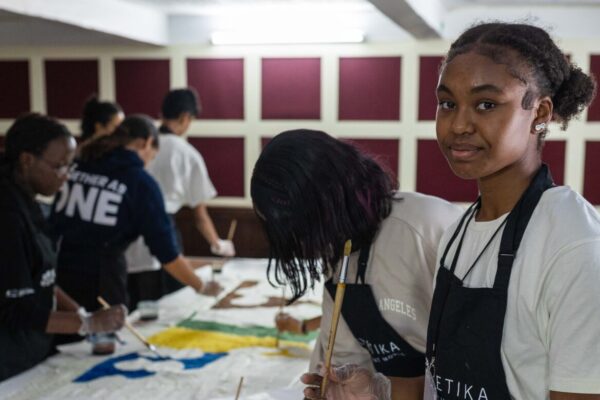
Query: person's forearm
point(64, 302)
point(181, 270)
point(205, 225)
point(407, 388)
point(63, 322)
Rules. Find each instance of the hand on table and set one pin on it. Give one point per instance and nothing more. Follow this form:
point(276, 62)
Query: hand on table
point(210, 288)
point(223, 248)
point(104, 321)
point(286, 323)
point(348, 382)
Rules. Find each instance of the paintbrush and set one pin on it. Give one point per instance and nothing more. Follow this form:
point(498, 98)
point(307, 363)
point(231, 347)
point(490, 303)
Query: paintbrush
point(337, 309)
point(134, 331)
point(239, 388)
point(230, 235)
point(232, 228)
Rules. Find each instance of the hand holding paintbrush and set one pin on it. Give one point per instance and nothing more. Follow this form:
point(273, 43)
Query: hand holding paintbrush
point(337, 309)
point(134, 331)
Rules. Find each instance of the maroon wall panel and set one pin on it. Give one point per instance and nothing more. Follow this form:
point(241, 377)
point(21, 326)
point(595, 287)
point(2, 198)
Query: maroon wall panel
point(141, 85)
point(591, 183)
point(265, 141)
point(594, 110)
point(69, 83)
point(554, 156)
point(369, 88)
point(384, 151)
point(435, 177)
point(428, 78)
point(224, 159)
point(220, 84)
point(291, 88)
point(14, 88)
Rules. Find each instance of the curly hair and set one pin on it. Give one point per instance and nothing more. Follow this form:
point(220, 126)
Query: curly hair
point(313, 192)
point(523, 45)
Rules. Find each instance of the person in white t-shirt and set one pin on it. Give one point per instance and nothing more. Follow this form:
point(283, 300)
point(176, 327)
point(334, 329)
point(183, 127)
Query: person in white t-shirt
point(183, 179)
point(313, 192)
point(516, 300)
point(515, 307)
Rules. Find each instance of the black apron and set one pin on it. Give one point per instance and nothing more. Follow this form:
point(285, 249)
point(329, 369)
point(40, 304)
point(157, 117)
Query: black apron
point(24, 348)
point(390, 353)
point(465, 324)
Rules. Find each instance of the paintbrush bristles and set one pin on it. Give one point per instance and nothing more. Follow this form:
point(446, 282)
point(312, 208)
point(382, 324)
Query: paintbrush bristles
point(347, 247)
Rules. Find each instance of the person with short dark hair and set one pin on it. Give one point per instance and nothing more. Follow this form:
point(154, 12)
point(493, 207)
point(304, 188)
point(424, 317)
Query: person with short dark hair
point(37, 156)
point(109, 201)
point(313, 192)
point(183, 179)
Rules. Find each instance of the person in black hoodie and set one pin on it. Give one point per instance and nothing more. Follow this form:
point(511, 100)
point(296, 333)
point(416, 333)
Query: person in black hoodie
point(107, 202)
point(32, 308)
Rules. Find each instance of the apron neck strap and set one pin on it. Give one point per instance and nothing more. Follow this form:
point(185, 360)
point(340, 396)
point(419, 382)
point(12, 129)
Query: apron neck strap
point(517, 222)
point(363, 259)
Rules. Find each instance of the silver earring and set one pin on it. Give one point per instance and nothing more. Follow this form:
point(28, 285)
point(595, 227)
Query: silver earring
point(540, 126)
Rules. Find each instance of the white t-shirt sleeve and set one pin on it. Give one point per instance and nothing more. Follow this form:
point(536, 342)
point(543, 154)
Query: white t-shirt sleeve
point(572, 305)
point(200, 188)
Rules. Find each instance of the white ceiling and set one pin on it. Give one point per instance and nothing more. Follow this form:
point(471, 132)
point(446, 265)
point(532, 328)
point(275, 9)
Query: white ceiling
point(164, 22)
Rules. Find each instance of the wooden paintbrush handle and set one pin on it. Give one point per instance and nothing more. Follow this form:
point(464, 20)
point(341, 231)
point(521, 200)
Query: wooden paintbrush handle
point(134, 331)
point(337, 310)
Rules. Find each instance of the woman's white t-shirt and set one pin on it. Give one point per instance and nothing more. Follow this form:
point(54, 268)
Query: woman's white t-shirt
point(551, 336)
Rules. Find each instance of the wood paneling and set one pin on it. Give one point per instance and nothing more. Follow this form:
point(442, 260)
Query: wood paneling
point(249, 239)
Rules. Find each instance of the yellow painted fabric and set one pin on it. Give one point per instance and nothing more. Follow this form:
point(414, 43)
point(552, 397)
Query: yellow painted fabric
point(211, 341)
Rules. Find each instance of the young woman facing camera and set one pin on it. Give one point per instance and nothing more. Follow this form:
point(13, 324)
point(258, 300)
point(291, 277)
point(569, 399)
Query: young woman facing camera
point(516, 299)
point(515, 307)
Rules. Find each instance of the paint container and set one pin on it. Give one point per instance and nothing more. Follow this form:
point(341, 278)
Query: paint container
point(102, 343)
point(148, 310)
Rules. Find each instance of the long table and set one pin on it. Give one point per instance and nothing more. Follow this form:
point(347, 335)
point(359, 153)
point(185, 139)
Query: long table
point(269, 373)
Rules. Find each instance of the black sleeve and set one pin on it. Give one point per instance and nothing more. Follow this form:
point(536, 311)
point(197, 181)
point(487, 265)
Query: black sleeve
point(21, 305)
point(157, 229)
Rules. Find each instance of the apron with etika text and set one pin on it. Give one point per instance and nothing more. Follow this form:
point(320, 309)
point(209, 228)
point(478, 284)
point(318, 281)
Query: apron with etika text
point(390, 353)
point(465, 324)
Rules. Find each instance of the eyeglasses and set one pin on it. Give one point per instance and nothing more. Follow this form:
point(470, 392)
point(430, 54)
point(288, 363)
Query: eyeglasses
point(60, 170)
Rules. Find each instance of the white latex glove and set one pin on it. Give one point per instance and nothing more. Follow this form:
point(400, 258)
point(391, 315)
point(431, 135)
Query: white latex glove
point(223, 248)
point(349, 382)
point(106, 321)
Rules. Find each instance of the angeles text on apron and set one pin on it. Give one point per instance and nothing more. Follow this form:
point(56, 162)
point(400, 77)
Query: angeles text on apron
point(466, 324)
point(390, 353)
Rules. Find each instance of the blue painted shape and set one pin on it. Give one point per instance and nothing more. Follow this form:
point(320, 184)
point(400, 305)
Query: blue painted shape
point(108, 367)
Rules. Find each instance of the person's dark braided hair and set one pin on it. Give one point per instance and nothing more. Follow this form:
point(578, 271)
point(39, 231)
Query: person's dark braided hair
point(537, 58)
point(312, 192)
